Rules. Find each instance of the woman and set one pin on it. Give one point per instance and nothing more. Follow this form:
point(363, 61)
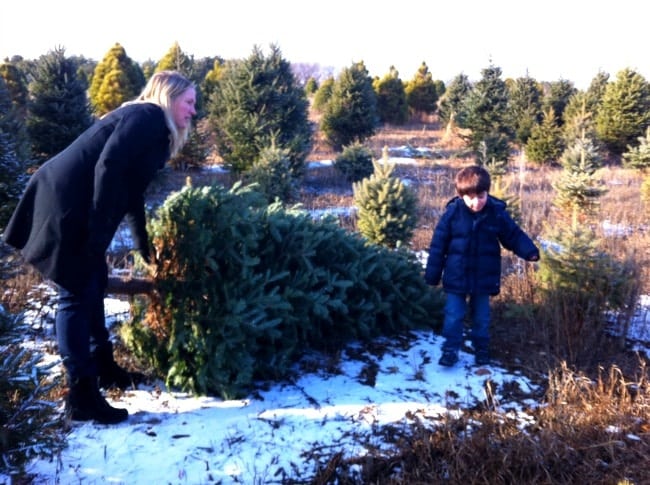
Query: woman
point(70, 212)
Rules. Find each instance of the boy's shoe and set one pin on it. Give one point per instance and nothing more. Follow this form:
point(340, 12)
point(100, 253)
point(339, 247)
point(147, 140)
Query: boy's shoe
point(482, 357)
point(448, 358)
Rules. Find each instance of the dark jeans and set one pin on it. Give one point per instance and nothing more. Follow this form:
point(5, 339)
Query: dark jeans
point(81, 326)
point(455, 310)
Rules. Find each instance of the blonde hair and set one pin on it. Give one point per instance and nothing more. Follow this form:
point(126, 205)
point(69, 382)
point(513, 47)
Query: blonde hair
point(161, 89)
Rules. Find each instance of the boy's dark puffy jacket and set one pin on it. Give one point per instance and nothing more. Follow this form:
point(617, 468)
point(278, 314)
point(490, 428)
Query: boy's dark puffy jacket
point(465, 248)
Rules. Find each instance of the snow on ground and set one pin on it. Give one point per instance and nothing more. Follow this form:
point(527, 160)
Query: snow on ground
point(172, 437)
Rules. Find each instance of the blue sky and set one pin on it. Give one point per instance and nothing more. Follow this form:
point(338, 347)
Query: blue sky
point(551, 40)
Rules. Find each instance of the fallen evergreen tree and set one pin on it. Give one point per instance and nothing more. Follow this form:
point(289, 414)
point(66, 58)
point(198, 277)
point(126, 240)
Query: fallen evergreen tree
point(243, 288)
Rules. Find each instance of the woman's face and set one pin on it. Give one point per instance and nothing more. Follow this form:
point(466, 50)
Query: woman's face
point(183, 108)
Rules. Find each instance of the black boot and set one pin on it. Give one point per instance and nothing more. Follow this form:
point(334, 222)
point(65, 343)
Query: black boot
point(86, 403)
point(111, 374)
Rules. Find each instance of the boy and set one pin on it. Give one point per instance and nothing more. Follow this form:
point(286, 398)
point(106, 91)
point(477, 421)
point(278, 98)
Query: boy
point(465, 252)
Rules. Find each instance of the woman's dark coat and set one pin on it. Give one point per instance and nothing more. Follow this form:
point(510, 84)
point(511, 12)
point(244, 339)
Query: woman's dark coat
point(465, 248)
point(74, 202)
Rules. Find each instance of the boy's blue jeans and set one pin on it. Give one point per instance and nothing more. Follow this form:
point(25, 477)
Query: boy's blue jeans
point(455, 310)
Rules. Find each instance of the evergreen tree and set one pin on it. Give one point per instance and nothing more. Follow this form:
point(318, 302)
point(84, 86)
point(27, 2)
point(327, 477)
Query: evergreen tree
point(387, 207)
point(638, 157)
point(485, 115)
point(116, 79)
point(58, 110)
point(176, 60)
point(422, 92)
point(351, 113)
point(391, 98)
point(13, 108)
point(257, 104)
point(355, 162)
point(311, 86)
point(558, 95)
point(578, 117)
point(524, 107)
point(452, 102)
point(12, 165)
point(545, 143)
point(580, 281)
point(578, 188)
point(323, 94)
point(624, 113)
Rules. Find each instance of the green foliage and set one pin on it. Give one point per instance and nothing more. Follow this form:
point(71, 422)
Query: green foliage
point(545, 144)
point(581, 284)
point(524, 107)
point(624, 114)
point(391, 98)
point(58, 110)
point(485, 115)
point(422, 92)
point(638, 157)
point(453, 100)
point(387, 207)
point(323, 94)
point(257, 103)
point(355, 162)
point(311, 86)
point(351, 113)
point(176, 60)
point(116, 79)
point(272, 176)
point(578, 187)
point(558, 94)
point(244, 288)
point(28, 421)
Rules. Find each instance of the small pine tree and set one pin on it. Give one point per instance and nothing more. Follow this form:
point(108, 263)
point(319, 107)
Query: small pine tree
point(545, 145)
point(387, 207)
point(578, 187)
point(272, 176)
point(355, 163)
point(638, 157)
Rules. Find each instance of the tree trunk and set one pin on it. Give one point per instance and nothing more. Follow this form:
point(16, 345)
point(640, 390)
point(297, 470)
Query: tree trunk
point(129, 286)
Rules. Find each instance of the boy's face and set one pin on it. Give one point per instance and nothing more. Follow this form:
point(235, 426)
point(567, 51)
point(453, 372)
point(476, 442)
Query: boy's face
point(476, 202)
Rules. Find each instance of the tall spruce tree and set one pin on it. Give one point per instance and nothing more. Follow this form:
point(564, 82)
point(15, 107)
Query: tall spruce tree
point(524, 107)
point(452, 102)
point(485, 115)
point(350, 115)
point(422, 92)
point(258, 104)
point(545, 143)
point(391, 98)
point(624, 113)
point(116, 79)
point(58, 110)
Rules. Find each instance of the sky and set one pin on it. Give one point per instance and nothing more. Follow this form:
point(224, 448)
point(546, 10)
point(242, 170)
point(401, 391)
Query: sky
point(270, 435)
point(552, 40)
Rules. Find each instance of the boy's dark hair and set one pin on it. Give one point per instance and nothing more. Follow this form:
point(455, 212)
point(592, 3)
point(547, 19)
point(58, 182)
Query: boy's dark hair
point(472, 181)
